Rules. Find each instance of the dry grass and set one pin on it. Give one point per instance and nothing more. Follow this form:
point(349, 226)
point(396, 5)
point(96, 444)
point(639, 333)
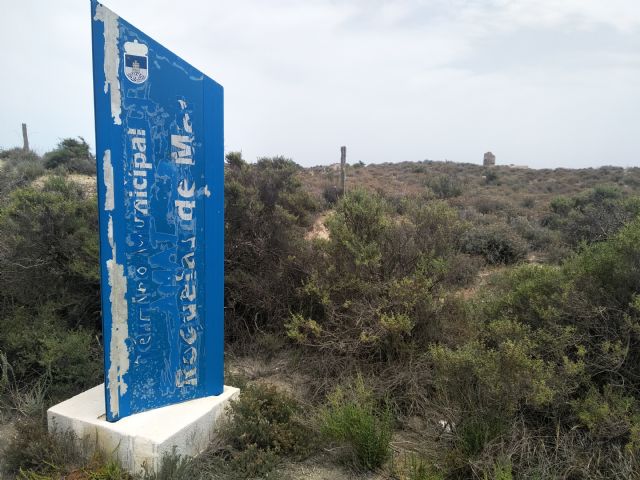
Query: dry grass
point(516, 188)
point(87, 183)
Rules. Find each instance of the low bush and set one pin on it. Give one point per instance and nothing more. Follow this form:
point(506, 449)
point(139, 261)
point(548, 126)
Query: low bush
point(20, 399)
point(497, 243)
point(463, 269)
point(331, 194)
point(445, 186)
point(268, 420)
point(264, 426)
point(592, 216)
point(73, 156)
point(375, 287)
point(548, 343)
point(18, 168)
point(610, 415)
point(50, 239)
point(353, 418)
point(34, 451)
point(491, 205)
point(266, 215)
point(528, 202)
point(410, 466)
point(490, 176)
point(42, 347)
point(538, 237)
point(174, 467)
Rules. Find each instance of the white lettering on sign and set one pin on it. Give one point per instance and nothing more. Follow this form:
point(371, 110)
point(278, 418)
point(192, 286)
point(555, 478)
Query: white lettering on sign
point(185, 208)
point(182, 153)
point(140, 170)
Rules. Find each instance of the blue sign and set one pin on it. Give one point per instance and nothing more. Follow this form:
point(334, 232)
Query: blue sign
point(159, 136)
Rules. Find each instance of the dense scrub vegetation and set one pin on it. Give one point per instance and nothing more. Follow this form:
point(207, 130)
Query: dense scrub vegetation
point(492, 316)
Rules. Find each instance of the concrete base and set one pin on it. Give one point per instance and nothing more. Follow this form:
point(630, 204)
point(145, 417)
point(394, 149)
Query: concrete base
point(139, 442)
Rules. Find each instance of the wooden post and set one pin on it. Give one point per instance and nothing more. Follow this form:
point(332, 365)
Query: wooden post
point(343, 169)
point(25, 138)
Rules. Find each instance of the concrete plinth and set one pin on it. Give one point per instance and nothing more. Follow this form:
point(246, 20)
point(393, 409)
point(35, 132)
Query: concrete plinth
point(141, 440)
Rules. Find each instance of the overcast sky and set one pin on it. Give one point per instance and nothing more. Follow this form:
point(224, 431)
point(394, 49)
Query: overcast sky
point(545, 83)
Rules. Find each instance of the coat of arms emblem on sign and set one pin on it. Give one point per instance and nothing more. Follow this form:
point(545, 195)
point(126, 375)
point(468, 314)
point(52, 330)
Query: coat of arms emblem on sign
point(136, 67)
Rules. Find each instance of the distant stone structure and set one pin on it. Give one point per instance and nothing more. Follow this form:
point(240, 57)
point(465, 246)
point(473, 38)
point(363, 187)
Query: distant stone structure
point(489, 159)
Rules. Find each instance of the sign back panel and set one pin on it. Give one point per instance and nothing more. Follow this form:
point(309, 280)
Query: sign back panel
point(159, 145)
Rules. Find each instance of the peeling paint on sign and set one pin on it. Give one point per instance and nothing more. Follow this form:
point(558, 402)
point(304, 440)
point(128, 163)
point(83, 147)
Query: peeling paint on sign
point(118, 354)
point(159, 126)
point(107, 168)
point(111, 59)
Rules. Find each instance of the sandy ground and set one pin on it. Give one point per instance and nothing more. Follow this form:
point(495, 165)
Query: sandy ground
point(319, 230)
point(318, 468)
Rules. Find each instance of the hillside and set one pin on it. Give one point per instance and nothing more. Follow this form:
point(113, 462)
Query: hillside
point(511, 185)
point(437, 321)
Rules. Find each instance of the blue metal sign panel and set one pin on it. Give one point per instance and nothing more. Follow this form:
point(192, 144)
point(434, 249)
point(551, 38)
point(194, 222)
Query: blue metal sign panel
point(159, 137)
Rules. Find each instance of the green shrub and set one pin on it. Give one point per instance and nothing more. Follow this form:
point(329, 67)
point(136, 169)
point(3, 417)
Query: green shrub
point(501, 471)
point(475, 431)
point(377, 284)
point(34, 450)
point(490, 176)
point(41, 345)
point(13, 156)
point(49, 286)
point(352, 417)
point(253, 462)
point(462, 269)
point(438, 228)
point(19, 399)
point(497, 243)
point(497, 374)
point(356, 227)
point(71, 155)
point(491, 205)
point(173, 467)
point(266, 419)
point(538, 237)
point(445, 186)
point(610, 415)
point(331, 194)
point(593, 216)
point(548, 343)
point(410, 466)
point(50, 239)
point(110, 470)
point(18, 168)
point(266, 214)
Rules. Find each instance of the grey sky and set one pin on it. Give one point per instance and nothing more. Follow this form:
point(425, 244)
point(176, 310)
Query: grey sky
point(540, 82)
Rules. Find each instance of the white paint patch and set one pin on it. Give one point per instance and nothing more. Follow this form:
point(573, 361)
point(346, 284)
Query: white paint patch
point(111, 59)
point(118, 352)
point(107, 169)
point(207, 193)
